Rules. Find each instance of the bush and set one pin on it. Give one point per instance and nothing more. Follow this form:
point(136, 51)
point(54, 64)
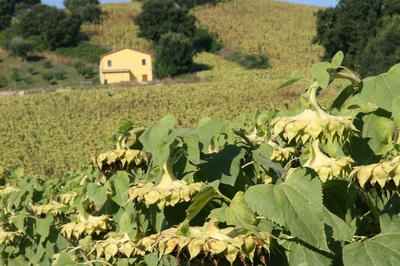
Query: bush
point(259, 61)
point(173, 55)
point(15, 74)
point(30, 69)
point(206, 41)
point(77, 63)
point(48, 75)
point(40, 45)
point(85, 71)
point(256, 62)
point(18, 46)
point(59, 73)
point(3, 81)
point(47, 63)
point(87, 52)
point(28, 79)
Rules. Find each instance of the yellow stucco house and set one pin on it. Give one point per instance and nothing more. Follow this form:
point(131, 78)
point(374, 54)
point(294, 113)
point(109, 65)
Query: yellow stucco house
point(125, 64)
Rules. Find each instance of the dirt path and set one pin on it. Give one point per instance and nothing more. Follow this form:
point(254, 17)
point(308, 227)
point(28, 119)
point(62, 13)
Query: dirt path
point(22, 93)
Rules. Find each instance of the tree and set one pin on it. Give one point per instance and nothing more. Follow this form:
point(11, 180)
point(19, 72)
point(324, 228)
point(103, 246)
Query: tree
point(159, 17)
point(383, 50)
point(348, 26)
point(18, 46)
point(7, 11)
point(53, 25)
point(11, 8)
point(88, 10)
point(173, 55)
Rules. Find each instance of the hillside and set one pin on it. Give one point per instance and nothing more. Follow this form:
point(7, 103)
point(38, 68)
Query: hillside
point(52, 133)
point(279, 30)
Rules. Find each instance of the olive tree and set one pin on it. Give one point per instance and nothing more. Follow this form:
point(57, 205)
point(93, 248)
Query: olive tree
point(18, 46)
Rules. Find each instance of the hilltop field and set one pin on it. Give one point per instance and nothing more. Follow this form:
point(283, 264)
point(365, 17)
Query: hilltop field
point(51, 133)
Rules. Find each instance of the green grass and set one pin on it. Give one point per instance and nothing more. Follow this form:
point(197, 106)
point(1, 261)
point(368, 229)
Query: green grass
point(34, 80)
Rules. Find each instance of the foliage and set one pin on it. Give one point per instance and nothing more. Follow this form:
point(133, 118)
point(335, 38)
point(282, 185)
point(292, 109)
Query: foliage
point(3, 81)
point(350, 26)
point(59, 73)
point(249, 61)
point(85, 70)
point(159, 17)
point(55, 27)
point(383, 50)
point(77, 63)
point(272, 189)
point(85, 51)
point(7, 8)
point(281, 31)
point(11, 9)
point(20, 47)
point(206, 41)
point(48, 75)
point(47, 63)
point(250, 25)
point(88, 10)
point(40, 44)
point(30, 69)
point(173, 55)
point(28, 79)
point(15, 74)
point(8, 34)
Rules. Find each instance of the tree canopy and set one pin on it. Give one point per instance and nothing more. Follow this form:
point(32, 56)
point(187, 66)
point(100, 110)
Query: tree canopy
point(88, 10)
point(10, 8)
point(159, 17)
point(18, 46)
point(54, 27)
point(349, 27)
point(173, 55)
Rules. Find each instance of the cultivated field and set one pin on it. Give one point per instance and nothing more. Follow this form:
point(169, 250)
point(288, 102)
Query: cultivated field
point(51, 133)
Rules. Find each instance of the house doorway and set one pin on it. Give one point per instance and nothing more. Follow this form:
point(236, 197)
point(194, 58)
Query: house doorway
point(144, 77)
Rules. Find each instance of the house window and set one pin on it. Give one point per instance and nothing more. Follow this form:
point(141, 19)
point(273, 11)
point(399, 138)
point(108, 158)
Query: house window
point(109, 62)
point(143, 62)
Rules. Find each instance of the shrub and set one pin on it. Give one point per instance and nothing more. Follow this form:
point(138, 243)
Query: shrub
point(40, 45)
point(77, 63)
point(206, 41)
point(87, 52)
point(173, 55)
point(47, 63)
point(85, 71)
point(15, 74)
point(253, 61)
point(59, 73)
point(18, 46)
point(48, 75)
point(3, 81)
point(30, 69)
point(28, 79)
